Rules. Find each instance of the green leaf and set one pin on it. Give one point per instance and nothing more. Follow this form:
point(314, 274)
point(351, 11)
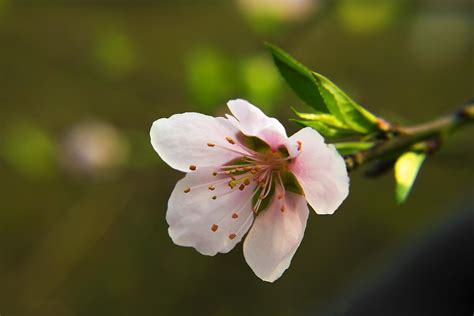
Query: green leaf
point(352, 147)
point(299, 78)
point(325, 118)
point(321, 94)
point(326, 130)
point(406, 170)
point(344, 108)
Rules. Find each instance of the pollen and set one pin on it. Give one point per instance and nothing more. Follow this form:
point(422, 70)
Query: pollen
point(211, 188)
point(235, 215)
point(192, 167)
point(299, 145)
point(211, 144)
point(214, 227)
point(232, 236)
point(187, 190)
point(230, 140)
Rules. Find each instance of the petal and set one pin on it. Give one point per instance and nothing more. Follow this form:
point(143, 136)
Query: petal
point(251, 121)
point(320, 171)
point(191, 216)
point(275, 236)
point(182, 139)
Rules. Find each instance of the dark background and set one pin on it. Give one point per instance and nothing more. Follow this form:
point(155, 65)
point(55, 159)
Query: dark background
point(83, 195)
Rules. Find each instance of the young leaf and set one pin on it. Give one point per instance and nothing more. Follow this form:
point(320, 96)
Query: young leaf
point(352, 147)
point(406, 170)
point(299, 78)
point(326, 130)
point(325, 118)
point(344, 108)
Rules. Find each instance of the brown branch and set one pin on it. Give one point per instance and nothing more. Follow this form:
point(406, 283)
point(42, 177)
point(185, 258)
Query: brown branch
point(399, 139)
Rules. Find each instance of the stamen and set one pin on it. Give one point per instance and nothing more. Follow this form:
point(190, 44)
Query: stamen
point(211, 188)
point(230, 140)
point(242, 187)
point(214, 173)
point(299, 145)
point(187, 190)
point(232, 236)
point(192, 167)
point(282, 209)
point(214, 197)
point(235, 215)
point(214, 227)
point(246, 181)
point(211, 144)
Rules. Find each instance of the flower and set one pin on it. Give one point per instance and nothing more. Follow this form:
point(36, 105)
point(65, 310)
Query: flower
point(245, 175)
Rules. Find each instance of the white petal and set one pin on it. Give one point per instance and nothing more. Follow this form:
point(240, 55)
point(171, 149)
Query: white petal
point(251, 121)
point(320, 171)
point(192, 215)
point(275, 236)
point(182, 139)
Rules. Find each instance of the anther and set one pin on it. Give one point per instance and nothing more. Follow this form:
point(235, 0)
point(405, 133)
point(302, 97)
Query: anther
point(282, 209)
point(280, 196)
point(211, 188)
point(187, 190)
point(230, 140)
point(214, 197)
point(242, 187)
point(253, 171)
point(235, 215)
point(299, 145)
point(247, 181)
point(232, 236)
point(211, 144)
point(192, 167)
point(214, 173)
point(214, 227)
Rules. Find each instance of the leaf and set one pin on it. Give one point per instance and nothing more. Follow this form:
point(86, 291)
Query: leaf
point(325, 118)
point(406, 169)
point(299, 78)
point(321, 94)
point(352, 147)
point(344, 108)
point(326, 130)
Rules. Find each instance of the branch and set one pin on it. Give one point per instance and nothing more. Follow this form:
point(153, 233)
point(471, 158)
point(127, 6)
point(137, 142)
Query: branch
point(426, 137)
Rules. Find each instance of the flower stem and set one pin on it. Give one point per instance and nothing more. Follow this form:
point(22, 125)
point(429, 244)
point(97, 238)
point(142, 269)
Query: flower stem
point(426, 137)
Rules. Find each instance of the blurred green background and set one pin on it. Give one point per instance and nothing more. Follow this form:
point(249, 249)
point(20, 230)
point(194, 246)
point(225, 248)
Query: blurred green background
point(83, 194)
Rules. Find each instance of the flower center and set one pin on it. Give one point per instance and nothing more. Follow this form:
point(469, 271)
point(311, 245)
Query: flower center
point(259, 168)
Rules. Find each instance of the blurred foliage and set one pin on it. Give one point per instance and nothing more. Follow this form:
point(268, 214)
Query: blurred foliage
point(211, 78)
point(367, 16)
point(79, 245)
point(114, 52)
point(261, 82)
point(28, 149)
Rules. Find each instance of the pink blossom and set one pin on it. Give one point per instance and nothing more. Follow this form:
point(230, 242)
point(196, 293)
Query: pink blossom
point(244, 175)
